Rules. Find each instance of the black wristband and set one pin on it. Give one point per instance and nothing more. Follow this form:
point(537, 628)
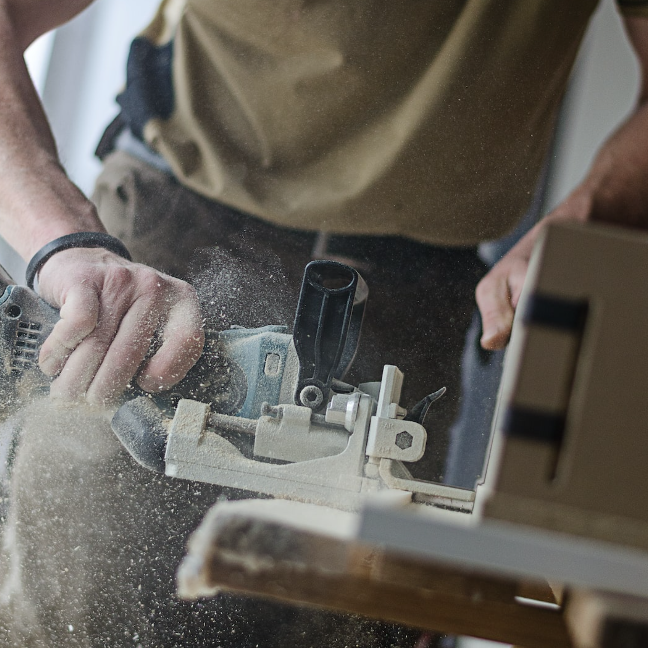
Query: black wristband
point(76, 240)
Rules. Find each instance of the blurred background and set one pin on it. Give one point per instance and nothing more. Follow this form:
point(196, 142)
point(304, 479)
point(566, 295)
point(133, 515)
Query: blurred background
point(79, 69)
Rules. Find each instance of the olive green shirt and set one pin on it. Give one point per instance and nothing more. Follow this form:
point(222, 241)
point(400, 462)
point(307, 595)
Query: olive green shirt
point(429, 119)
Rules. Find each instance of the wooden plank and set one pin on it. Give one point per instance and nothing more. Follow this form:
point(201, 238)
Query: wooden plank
point(513, 550)
point(275, 559)
point(413, 606)
point(403, 570)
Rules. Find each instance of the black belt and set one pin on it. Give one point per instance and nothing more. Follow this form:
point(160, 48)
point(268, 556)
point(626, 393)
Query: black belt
point(369, 252)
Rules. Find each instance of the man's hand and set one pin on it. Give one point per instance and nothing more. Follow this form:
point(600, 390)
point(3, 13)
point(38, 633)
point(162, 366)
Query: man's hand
point(615, 191)
point(111, 312)
point(498, 293)
point(111, 309)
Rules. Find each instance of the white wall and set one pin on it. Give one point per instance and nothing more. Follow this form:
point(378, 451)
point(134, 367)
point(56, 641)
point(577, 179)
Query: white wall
point(604, 88)
point(86, 71)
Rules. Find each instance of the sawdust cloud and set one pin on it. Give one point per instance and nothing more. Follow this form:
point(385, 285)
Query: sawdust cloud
point(235, 291)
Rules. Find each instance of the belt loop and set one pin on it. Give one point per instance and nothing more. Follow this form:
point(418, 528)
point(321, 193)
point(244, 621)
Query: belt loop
point(107, 142)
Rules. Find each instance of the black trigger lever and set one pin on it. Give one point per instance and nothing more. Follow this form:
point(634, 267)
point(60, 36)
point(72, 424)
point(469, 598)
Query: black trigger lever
point(418, 413)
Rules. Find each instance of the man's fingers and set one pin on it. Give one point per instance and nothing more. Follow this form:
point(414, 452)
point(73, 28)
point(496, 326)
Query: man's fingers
point(79, 315)
point(183, 339)
point(103, 364)
point(496, 311)
point(127, 350)
point(497, 296)
point(111, 310)
point(76, 376)
point(84, 362)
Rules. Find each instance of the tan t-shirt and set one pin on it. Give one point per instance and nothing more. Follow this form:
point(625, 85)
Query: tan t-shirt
point(423, 118)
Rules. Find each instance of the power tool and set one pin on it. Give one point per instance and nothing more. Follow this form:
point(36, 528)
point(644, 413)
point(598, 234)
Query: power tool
point(262, 410)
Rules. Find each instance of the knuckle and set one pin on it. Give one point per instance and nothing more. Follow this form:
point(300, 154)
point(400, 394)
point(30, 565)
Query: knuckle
point(150, 282)
point(490, 314)
point(83, 324)
point(98, 342)
point(517, 265)
point(119, 277)
point(69, 332)
point(63, 346)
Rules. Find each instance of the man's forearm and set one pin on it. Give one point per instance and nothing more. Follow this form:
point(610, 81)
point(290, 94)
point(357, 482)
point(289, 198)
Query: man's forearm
point(615, 189)
point(37, 200)
point(618, 179)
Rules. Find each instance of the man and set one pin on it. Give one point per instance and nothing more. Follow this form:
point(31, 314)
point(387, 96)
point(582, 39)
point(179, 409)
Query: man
point(408, 132)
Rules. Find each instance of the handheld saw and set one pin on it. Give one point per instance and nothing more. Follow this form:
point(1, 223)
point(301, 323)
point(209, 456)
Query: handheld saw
point(262, 410)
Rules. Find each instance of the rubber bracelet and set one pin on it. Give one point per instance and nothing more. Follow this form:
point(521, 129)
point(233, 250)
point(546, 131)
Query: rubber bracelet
point(76, 240)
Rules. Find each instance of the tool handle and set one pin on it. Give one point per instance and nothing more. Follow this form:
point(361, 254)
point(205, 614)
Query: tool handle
point(325, 314)
point(25, 322)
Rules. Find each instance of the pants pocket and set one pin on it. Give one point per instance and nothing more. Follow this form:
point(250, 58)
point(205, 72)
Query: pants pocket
point(143, 207)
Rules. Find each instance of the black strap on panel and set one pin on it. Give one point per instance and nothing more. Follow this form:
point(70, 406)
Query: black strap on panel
point(555, 312)
point(534, 425)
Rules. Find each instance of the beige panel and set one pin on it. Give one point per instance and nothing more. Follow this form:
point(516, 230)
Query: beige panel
point(601, 461)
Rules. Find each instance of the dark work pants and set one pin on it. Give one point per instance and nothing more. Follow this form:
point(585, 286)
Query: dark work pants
point(470, 434)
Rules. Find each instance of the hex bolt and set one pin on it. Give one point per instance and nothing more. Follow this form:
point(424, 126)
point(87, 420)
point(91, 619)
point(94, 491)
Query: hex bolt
point(404, 440)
